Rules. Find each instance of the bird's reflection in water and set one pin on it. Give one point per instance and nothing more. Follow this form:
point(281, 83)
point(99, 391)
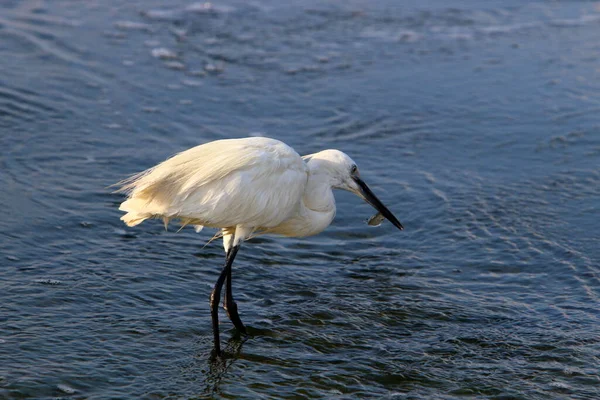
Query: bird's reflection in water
point(231, 351)
point(218, 365)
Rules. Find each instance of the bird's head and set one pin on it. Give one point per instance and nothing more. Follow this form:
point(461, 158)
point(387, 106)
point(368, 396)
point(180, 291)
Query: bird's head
point(342, 173)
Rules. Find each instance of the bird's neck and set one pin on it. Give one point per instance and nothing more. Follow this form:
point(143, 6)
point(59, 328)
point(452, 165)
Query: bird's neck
point(318, 195)
point(316, 210)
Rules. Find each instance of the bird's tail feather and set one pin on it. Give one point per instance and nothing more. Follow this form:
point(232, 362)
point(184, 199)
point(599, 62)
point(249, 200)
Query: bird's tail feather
point(134, 214)
point(133, 219)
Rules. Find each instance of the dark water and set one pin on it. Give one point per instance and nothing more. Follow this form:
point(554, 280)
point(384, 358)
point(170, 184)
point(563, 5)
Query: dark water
point(477, 123)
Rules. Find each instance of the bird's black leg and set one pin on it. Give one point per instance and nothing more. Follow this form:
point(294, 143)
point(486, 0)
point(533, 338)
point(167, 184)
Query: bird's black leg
point(231, 307)
point(215, 295)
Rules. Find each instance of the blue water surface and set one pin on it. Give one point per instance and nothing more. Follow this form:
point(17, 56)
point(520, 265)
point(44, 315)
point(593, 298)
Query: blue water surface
point(476, 122)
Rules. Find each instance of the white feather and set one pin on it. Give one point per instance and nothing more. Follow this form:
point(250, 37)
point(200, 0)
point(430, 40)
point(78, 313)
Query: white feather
point(253, 182)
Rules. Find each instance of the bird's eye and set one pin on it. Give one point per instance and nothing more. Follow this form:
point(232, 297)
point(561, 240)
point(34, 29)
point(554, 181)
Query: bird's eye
point(353, 169)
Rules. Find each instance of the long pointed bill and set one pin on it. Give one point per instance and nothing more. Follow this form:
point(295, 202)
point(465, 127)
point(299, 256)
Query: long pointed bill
point(370, 198)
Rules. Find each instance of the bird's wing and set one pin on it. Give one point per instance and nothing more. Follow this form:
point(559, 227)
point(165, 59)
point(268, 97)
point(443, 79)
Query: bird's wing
point(252, 181)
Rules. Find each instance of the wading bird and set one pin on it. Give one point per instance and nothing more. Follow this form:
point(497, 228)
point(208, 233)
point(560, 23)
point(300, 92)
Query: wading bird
point(245, 187)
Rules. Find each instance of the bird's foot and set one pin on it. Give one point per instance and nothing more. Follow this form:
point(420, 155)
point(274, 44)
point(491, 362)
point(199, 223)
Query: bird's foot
point(218, 358)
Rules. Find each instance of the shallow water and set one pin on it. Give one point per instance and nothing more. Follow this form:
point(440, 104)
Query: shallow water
point(475, 122)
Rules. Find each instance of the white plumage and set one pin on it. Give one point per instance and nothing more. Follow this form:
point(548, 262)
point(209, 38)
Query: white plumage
point(244, 187)
point(253, 182)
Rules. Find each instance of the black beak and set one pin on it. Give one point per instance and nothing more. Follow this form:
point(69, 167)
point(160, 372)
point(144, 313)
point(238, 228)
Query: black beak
point(376, 203)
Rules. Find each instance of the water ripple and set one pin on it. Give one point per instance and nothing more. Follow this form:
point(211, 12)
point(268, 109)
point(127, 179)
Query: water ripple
point(488, 157)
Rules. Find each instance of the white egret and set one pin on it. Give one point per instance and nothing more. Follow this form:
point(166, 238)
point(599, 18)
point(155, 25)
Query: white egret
point(245, 187)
